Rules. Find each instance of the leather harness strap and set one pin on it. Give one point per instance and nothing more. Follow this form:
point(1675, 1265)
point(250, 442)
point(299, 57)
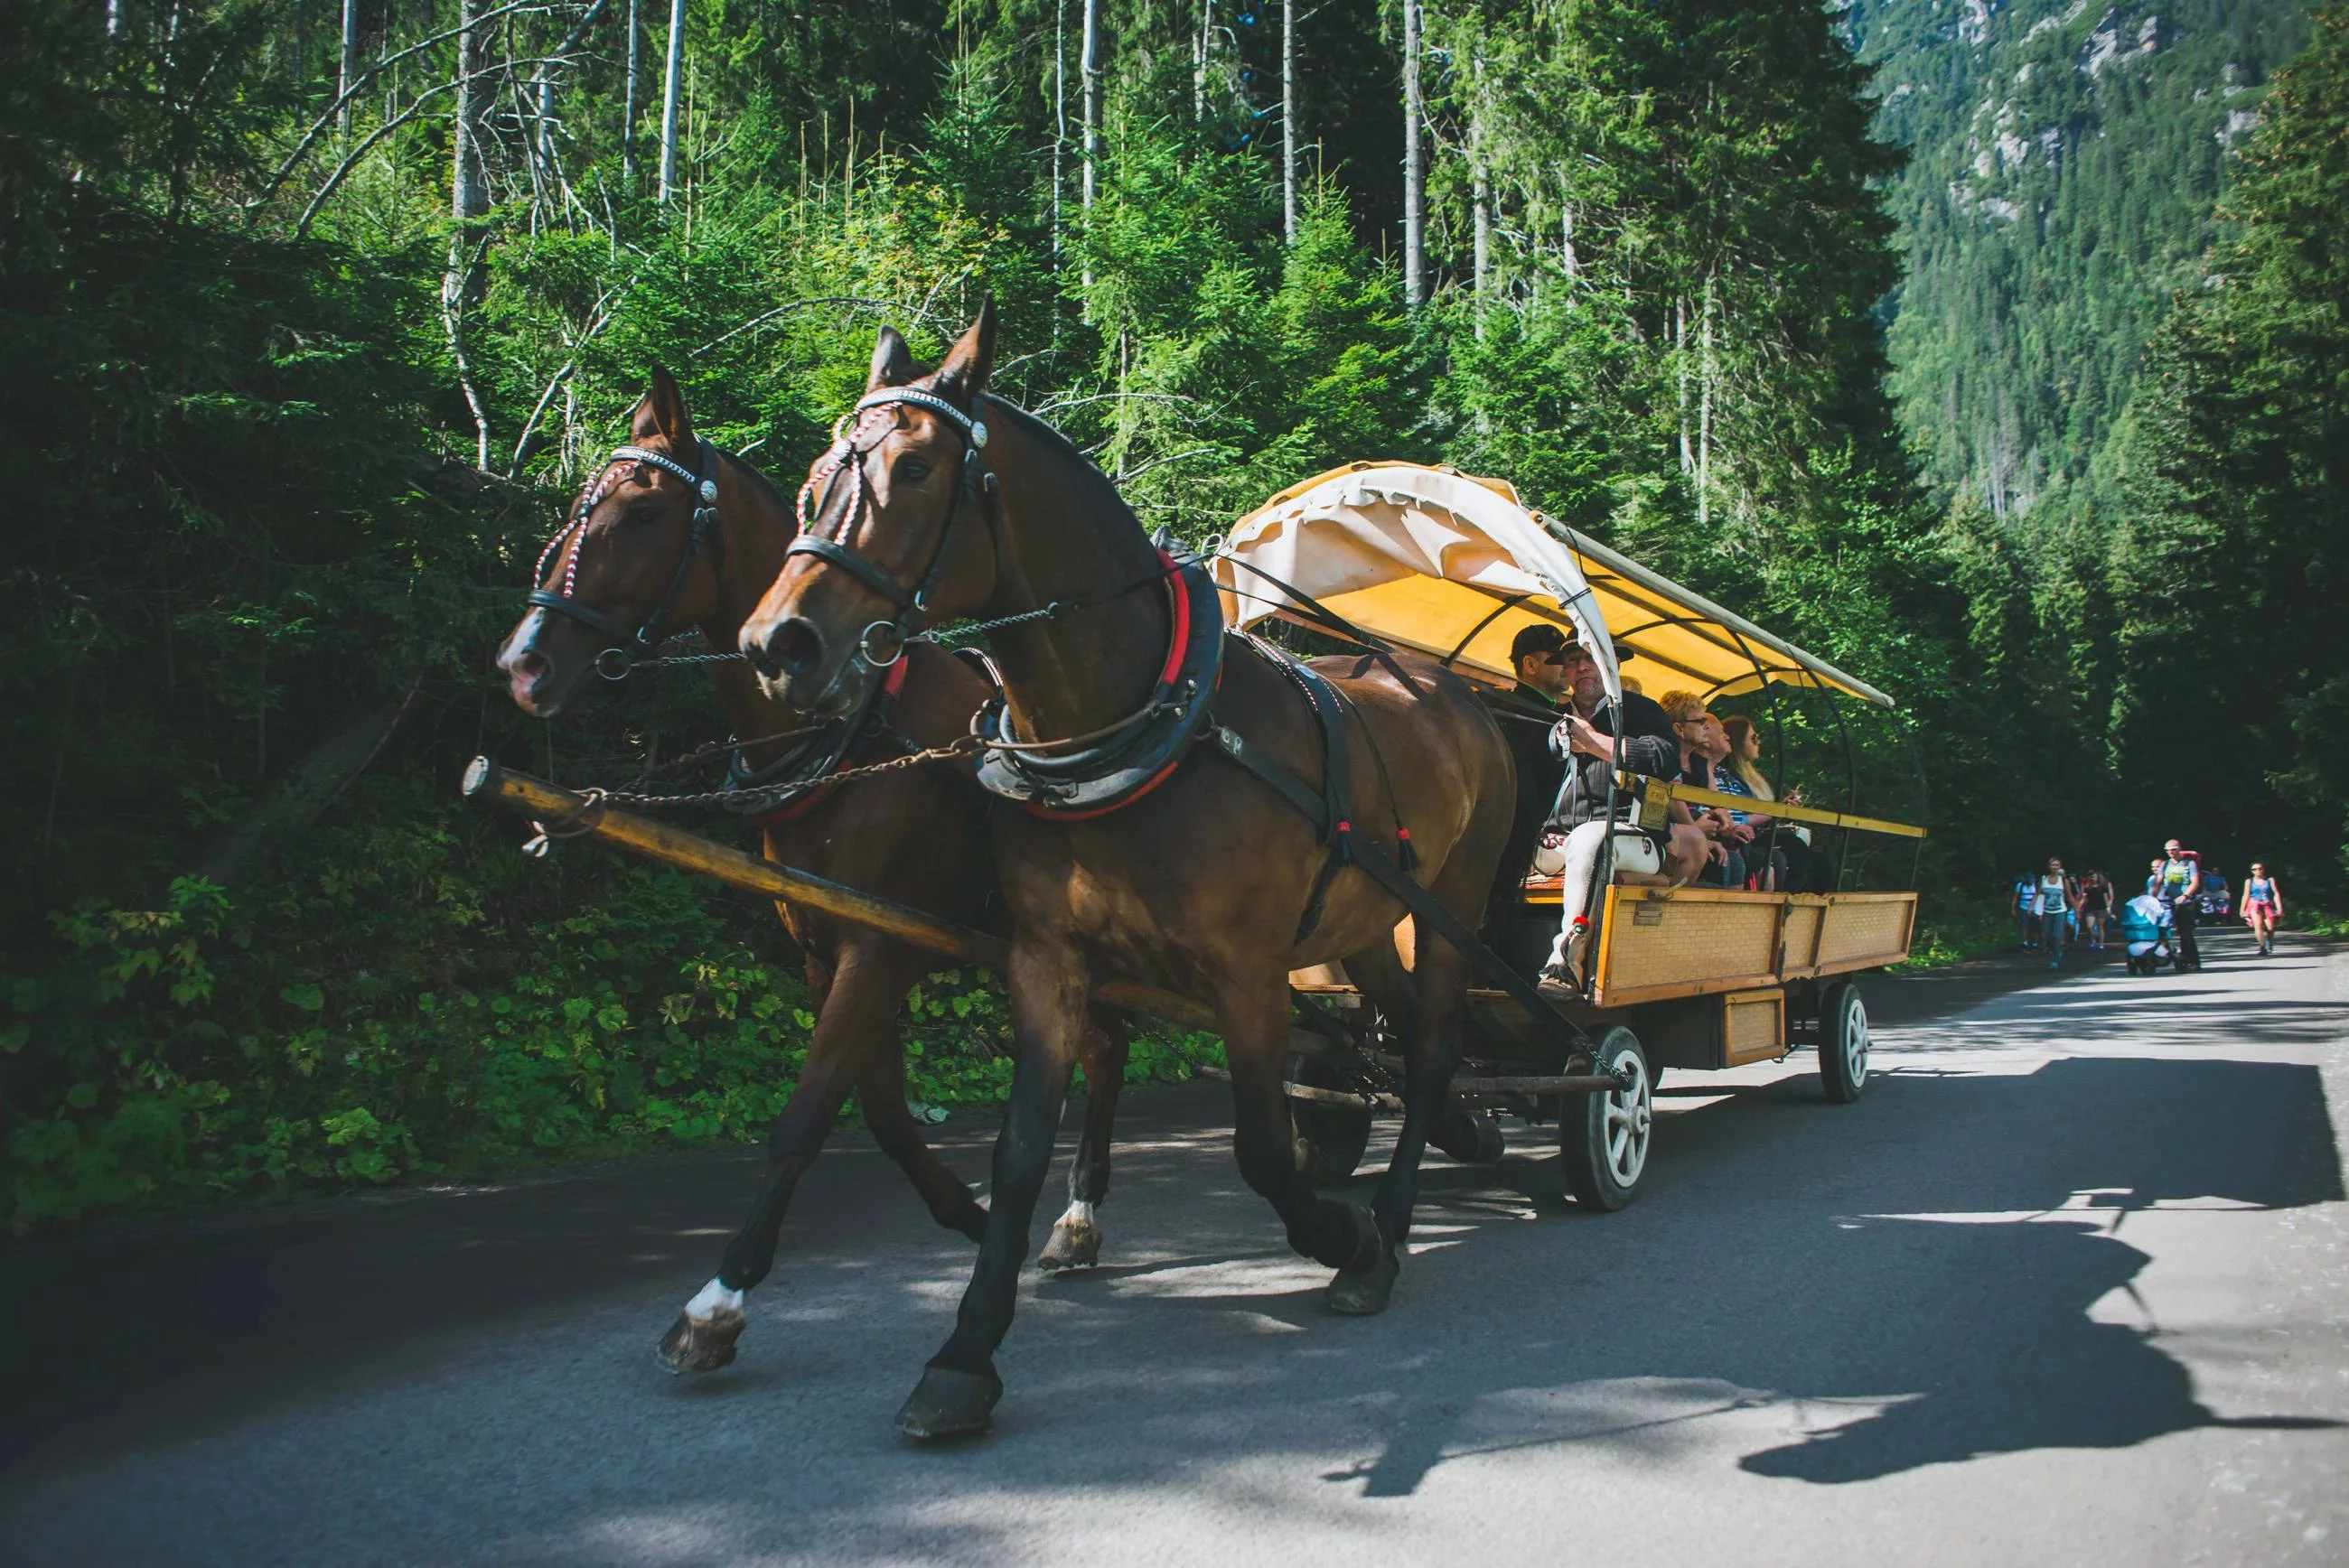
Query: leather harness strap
point(644, 642)
point(1425, 907)
point(800, 776)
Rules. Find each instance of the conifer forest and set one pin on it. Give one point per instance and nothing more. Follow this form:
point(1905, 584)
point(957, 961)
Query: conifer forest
point(1995, 350)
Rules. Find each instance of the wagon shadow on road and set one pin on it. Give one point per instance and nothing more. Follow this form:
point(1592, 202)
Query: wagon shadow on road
point(1890, 1314)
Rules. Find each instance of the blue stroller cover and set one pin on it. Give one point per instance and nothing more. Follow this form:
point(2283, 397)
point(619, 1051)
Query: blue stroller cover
point(2144, 924)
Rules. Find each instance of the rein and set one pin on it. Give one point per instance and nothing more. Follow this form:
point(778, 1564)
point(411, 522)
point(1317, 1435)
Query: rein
point(642, 645)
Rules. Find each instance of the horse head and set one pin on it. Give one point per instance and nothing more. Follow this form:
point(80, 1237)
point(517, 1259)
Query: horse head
point(626, 562)
point(897, 531)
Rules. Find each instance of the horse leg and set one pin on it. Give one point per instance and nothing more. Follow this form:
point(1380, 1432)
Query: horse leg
point(1439, 973)
point(1465, 1135)
point(1048, 985)
point(881, 1091)
point(1330, 1231)
point(856, 1006)
point(1075, 1241)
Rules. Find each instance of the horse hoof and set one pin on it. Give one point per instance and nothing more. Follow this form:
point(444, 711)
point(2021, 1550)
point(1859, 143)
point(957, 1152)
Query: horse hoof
point(1362, 1291)
point(1073, 1244)
point(950, 1404)
point(970, 1220)
point(700, 1344)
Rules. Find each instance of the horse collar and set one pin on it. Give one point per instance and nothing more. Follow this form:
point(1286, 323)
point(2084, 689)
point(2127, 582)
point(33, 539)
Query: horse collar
point(1073, 782)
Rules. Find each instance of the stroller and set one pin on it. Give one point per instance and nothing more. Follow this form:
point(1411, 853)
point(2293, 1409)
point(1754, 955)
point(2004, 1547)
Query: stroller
point(2145, 927)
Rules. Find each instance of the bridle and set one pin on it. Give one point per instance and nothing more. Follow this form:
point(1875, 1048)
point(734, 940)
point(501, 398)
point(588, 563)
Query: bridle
point(641, 645)
point(912, 608)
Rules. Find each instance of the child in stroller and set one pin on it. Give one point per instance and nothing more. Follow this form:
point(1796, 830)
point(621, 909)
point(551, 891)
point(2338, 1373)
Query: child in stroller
point(2145, 926)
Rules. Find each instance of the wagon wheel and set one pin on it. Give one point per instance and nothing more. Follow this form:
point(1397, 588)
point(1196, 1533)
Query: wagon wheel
point(1843, 1043)
point(1329, 1138)
point(1603, 1137)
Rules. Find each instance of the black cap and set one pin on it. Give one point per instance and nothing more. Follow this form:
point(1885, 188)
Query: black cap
point(1541, 637)
point(1547, 638)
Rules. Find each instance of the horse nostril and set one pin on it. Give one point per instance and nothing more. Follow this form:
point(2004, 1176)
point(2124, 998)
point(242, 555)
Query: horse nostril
point(529, 667)
point(797, 646)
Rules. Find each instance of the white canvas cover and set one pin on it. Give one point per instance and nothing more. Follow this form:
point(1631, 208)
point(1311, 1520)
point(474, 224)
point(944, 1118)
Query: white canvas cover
point(1455, 566)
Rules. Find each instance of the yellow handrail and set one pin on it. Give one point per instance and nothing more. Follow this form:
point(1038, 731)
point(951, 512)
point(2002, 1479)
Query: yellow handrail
point(1656, 794)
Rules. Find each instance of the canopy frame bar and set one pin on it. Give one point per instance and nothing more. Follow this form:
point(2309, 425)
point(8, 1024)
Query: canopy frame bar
point(1630, 571)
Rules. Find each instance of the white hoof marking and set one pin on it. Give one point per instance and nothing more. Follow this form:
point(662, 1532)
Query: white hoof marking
point(714, 1302)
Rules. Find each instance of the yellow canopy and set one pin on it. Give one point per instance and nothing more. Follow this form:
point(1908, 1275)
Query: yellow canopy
point(1455, 566)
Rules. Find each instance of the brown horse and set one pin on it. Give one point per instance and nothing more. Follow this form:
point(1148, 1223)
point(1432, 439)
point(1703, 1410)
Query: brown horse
point(646, 548)
point(942, 501)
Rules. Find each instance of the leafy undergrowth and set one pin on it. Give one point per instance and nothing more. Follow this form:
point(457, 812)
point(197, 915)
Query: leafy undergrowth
point(1958, 933)
point(370, 1024)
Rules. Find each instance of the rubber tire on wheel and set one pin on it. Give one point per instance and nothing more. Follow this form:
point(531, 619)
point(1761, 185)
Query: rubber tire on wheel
point(1843, 1043)
point(1329, 1138)
point(1603, 1137)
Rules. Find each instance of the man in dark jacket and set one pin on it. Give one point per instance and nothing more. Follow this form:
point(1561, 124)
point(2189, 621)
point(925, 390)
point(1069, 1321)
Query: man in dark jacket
point(1538, 656)
point(1583, 737)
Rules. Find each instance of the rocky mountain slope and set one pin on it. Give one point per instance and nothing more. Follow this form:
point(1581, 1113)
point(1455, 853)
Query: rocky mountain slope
point(2066, 158)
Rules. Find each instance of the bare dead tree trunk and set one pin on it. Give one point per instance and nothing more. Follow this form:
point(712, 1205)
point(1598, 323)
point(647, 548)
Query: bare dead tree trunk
point(1060, 113)
point(1288, 121)
point(1679, 359)
point(546, 69)
point(628, 107)
point(1200, 44)
point(469, 180)
point(1480, 191)
point(1704, 415)
point(669, 98)
point(1414, 173)
point(350, 61)
point(1088, 65)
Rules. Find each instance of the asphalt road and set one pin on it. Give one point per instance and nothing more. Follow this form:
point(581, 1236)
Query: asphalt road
point(2067, 1286)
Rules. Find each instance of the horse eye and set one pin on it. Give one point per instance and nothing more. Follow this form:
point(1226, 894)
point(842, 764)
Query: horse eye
point(910, 470)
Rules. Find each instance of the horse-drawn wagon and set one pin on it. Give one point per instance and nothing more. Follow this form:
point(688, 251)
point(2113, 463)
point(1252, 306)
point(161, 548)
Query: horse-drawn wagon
point(1690, 978)
point(1128, 709)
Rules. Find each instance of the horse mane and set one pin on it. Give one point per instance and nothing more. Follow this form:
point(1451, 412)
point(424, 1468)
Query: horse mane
point(765, 485)
point(1085, 473)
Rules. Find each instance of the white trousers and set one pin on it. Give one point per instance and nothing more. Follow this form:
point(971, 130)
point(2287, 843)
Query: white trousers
point(1634, 852)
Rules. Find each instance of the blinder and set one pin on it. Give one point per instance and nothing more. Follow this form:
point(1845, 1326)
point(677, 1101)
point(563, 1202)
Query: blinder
point(632, 648)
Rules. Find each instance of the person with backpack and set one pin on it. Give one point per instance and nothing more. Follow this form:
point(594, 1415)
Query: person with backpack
point(2026, 913)
point(2177, 881)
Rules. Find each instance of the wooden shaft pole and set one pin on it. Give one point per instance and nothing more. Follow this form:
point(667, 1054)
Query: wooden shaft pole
point(488, 782)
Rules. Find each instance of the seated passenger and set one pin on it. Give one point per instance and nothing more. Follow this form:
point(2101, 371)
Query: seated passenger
point(1585, 738)
point(1703, 744)
point(1797, 867)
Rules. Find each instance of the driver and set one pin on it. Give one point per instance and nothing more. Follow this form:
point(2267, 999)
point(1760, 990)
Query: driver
point(1585, 738)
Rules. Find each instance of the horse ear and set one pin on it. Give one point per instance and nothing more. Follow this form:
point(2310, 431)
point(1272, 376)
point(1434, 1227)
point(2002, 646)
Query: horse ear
point(892, 361)
point(662, 413)
point(963, 377)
